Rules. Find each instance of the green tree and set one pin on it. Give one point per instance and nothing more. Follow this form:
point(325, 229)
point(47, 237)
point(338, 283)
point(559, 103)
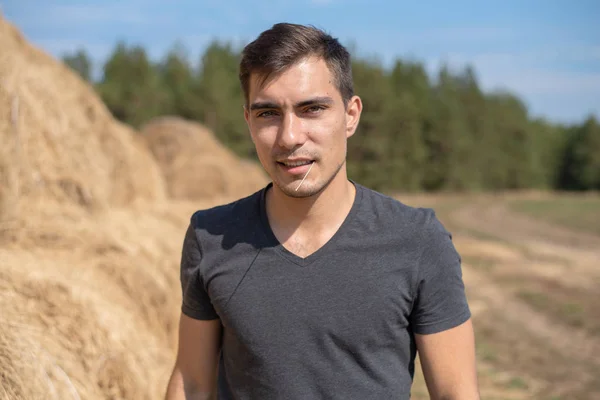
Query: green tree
point(477, 130)
point(511, 161)
point(548, 148)
point(131, 86)
point(80, 62)
point(405, 121)
point(447, 139)
point(367, 149)
point(177, 77)
point(222, 99)
point(582, 163)
point(414, 134)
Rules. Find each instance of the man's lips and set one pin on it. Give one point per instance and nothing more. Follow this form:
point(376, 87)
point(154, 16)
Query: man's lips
point(295, 163)
point(295, 167)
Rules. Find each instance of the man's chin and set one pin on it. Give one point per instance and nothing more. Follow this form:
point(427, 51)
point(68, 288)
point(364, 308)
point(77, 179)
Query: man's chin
point(299, 191)
point(303, 189)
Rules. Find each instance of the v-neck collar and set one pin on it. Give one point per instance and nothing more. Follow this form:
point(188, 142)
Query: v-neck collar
point(288, 255)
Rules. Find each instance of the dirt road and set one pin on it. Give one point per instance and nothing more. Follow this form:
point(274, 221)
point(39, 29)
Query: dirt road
point(534, 291)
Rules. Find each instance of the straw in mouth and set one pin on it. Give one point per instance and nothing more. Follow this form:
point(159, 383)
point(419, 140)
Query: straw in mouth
point(307, 172)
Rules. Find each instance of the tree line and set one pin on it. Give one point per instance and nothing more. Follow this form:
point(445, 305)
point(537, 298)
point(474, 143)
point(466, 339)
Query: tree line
point(417, 133)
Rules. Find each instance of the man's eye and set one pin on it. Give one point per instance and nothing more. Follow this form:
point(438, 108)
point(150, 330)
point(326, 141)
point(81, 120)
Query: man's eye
point(265, 114)
point(315, 109)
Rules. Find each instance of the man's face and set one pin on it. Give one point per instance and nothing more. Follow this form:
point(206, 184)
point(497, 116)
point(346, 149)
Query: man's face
point(298, 123)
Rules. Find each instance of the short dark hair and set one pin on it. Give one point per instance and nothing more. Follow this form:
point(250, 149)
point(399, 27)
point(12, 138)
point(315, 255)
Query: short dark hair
point(285, 44)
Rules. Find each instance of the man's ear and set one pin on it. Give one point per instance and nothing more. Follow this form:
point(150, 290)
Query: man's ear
point(353, 112)
point(246, 114)
point(247, 119)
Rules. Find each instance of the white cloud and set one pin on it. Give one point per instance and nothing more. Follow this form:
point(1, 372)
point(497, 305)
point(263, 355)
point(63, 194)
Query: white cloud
point(568, 94)
point(537, 81)
point(567, 54)
point(530, 72)
point(565, 108)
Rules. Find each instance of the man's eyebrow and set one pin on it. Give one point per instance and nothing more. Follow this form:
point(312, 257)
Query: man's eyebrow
point(261, 105)
point(315, 100)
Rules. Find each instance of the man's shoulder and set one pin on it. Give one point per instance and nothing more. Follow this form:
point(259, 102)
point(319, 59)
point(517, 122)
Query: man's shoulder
point(398, 214)
point(231, 214)
point(409, 225)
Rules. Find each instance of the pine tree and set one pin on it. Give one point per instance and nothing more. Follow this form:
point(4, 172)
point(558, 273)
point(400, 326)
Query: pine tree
point(131, 86)
point(80, 62)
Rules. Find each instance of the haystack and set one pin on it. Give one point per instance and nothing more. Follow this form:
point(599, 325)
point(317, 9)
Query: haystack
point(58, 141)
point(195, 165)
point(89, 289)
point(92, 313)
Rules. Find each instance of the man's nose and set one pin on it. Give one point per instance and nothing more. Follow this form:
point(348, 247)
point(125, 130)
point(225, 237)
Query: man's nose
point(291, 132)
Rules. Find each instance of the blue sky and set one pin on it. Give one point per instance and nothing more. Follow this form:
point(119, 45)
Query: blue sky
point(546, 52)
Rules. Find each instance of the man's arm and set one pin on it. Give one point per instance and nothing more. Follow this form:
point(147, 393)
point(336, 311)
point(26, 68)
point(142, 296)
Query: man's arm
point(194, 376)
point(448, 363)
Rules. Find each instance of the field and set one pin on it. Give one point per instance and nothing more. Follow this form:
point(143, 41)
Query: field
point(532, 270)
point(77, 296)
point(579, 213)
point(92, 218)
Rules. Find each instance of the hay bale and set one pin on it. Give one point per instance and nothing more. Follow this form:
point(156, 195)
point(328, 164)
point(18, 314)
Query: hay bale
point(63, 144)
point(89, 300)
point(90, 307)
point(63, 337)
point(195, 164)
point(9, 162)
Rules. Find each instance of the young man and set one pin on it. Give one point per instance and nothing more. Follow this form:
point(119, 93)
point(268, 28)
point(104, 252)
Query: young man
point(316, 287)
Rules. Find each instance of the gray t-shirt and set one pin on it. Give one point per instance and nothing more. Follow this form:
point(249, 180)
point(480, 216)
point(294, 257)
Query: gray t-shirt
point(338, 324)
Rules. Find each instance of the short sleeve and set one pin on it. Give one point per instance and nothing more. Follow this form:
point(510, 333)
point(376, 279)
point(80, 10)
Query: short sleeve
point(440, 301)
point(195, 300)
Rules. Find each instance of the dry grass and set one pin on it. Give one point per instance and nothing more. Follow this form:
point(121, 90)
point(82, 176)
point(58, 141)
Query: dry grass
point(90, 305)
point(195, 165)
point(59, 140)
point(9, 162)
point(89, 242)
point(571, 211)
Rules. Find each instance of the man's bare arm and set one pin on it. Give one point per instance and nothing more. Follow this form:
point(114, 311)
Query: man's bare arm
point(448, 363)
point(194, 376)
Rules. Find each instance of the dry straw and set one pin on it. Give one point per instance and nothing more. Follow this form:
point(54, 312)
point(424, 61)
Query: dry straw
point(197, 166)
point(90, 245)
point(62, 143)
point(10, 160)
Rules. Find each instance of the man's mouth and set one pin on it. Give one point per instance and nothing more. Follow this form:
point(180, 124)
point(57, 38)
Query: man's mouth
point(296, 167)
point(298, 163)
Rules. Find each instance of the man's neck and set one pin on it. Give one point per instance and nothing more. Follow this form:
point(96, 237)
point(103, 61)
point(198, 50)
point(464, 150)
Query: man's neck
point(309, 214)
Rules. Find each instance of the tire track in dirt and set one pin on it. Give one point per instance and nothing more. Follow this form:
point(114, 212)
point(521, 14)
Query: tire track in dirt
point(524, 333)
point(497, 220)
point(566, 340)
point(549, 250)
point(555, 360)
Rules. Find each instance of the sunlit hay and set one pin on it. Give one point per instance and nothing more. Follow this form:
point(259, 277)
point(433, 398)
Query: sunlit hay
point(89, 248)
point(195, 164)
point(9, 159)
point(88, 336)
point(62, 141)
